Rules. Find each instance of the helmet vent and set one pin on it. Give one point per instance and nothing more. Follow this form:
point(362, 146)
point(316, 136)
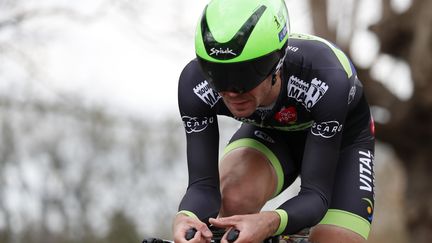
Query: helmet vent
point(234, 47)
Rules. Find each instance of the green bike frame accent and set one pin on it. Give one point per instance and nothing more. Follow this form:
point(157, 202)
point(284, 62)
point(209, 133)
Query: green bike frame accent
point(252, 143)
point(347, 220)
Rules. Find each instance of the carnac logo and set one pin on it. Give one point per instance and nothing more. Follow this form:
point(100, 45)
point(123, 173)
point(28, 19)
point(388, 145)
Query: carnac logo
point(306, 93)
point(326, 129)
point(206, 94)
point(196, 124)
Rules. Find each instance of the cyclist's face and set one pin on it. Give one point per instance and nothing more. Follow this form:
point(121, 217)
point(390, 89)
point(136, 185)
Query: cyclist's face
point(244, 104)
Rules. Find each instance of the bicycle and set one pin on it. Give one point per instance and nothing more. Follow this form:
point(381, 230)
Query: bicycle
point(218, 233)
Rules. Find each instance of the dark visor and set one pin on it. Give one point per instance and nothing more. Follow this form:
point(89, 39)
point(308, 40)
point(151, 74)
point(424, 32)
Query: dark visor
point(239, 77)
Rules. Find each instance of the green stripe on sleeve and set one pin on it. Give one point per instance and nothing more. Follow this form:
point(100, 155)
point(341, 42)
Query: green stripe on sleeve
point(283, 221)
point(187, 213)
point(347, 220)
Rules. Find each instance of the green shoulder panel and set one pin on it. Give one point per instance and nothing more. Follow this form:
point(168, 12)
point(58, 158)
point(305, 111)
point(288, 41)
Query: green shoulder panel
point(343, 59)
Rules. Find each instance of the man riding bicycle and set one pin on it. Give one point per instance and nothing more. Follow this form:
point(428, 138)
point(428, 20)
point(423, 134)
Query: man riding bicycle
point(303, 113)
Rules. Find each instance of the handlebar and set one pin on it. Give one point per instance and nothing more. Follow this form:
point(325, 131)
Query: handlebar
point(232, 236)
point(217, 234)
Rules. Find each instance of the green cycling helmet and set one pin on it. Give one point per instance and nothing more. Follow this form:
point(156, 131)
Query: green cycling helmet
point(239, 43)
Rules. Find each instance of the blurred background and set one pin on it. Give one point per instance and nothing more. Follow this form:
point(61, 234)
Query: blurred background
point(92, 148)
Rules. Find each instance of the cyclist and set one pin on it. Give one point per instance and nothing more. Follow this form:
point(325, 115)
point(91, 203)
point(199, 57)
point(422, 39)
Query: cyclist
point(303, 113)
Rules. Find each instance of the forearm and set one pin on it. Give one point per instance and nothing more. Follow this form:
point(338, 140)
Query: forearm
point(304, 210)
point(203, 201)
point(272, 221)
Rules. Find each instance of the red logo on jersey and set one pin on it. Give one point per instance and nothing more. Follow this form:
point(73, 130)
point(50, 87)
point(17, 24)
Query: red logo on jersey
point(286, 115)
point(372, 126)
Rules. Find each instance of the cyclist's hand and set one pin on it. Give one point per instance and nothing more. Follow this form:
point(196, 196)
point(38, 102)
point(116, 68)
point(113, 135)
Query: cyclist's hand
point(252, 227)
point(182, 223)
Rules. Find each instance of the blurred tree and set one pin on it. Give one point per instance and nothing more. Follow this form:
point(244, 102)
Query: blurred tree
point(406, 36)
point(122, 229)
point(66, 166)
point(75, 168)
point(75, 151)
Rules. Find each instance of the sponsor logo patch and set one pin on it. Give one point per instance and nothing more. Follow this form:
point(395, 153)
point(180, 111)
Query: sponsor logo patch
point(246, 120)
point(366, 175)
point(264, 136)
point(221, 51)
point(306, 93)
point(206, 94)
point(196, 124)
point(369, 208)
point(283, 32)
point(286, 115)
point(326, 129)
point(293, 48)
point(351, 94)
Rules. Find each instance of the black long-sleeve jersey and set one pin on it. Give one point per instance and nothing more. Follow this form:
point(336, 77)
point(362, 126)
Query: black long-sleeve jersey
point(320, 96)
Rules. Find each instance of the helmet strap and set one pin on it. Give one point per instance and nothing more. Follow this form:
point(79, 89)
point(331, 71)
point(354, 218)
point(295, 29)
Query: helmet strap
point(280, 64)
point(273, 79)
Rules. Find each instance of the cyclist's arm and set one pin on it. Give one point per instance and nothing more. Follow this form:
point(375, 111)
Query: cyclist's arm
point(202, 198)
point(319, 159)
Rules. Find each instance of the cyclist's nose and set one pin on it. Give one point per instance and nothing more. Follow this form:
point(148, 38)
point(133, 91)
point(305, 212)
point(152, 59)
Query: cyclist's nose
point(230, 94)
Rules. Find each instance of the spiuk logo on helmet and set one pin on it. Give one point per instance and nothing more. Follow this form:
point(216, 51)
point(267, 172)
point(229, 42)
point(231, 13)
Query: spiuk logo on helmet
point(239, 43)
point(226, 51)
